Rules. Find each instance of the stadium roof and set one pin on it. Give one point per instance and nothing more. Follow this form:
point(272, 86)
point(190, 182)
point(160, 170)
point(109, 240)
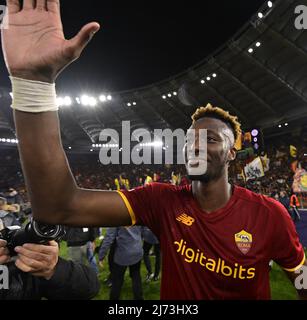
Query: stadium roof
point(260, 75)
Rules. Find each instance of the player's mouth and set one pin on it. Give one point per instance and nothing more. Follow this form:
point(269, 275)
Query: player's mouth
point(195, 163)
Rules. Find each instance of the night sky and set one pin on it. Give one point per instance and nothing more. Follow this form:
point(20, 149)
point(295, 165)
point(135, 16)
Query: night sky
point(144, 42)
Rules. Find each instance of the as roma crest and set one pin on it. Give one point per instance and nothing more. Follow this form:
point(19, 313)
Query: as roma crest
point(244, 241)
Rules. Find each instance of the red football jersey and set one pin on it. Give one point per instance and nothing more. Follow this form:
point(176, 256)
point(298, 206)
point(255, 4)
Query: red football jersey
point(221, 255)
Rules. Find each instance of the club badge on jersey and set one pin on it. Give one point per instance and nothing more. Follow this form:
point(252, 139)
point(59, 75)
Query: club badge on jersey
point(244, 241)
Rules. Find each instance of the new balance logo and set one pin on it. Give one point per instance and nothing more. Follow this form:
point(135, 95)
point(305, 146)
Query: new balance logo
point(185, 219)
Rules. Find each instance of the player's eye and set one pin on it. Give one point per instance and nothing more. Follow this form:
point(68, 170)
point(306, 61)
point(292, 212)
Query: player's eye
point(211, 139)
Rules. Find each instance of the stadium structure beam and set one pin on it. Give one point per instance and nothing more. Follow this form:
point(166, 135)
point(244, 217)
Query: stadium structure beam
point(152, 108)
point(77, 119)
point(271, 31)
point(98, 118)
point(99, 110)
point(65, 131)
point(94, 121)
point(116, 115)
point(172, 105)
point(245, 87)
point(67, 117)
point(68, 133)
point(175, 83)
point(289, 43)
point(5, 124)
point(230, 106)
point(149, 126)
point(86, 132)
point(287, 85)
point(92, 126)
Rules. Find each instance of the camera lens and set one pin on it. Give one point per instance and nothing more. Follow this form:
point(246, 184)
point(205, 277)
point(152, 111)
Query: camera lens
point(34, 232)
point(45, 231)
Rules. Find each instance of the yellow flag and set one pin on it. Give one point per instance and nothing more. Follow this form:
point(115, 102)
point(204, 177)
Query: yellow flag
point(238, 144)
point(148, 180)
point(293, 151)
point(116, 182)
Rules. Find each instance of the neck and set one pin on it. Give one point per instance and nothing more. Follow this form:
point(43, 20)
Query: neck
point(213, 195)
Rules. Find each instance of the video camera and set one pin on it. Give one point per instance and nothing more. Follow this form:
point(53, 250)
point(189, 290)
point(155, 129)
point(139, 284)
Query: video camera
point(34, 232)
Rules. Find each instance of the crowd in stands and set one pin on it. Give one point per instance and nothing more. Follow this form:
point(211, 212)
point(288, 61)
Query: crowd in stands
point(91, 174)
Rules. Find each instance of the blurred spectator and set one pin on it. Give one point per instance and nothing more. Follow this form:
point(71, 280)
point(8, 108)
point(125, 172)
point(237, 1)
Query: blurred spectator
point(81, 245)
point(284, 199)
point(150, 240)
point(294, 204)
point(112, 246)
point(128, 254)
point(13, 196)
point(7, 217)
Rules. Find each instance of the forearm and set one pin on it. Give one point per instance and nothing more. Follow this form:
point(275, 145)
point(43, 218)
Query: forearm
point(35, 52)
point(48, 178)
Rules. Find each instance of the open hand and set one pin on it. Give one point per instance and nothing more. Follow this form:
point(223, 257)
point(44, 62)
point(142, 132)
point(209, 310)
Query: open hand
point(34, 45)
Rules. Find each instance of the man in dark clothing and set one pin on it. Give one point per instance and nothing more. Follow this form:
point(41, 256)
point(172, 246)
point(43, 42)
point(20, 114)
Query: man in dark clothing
point(80, 244)
point(294, 204)
point(13, 196)
point(128, 253)
point(151, 240)
point(108, 280)
point(39, 273)
point(285, 200)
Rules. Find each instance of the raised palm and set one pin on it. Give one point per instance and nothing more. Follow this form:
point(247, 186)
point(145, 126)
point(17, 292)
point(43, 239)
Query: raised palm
point(34, 45)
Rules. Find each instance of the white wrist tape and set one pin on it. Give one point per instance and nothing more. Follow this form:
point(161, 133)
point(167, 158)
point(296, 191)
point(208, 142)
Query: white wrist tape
point(33, 96)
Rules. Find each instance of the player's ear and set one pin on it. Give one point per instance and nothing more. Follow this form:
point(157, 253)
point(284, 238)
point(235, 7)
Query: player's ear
point(232, 154)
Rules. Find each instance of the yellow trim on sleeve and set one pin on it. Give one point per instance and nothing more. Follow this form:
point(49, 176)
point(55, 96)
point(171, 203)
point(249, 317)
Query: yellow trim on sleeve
point(130, 210)
point(296, 268)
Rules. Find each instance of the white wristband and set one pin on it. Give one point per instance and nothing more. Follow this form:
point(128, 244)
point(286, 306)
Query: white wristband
point(33, 96)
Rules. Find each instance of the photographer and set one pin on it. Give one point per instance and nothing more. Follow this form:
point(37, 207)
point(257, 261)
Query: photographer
point(39, 272)
point(7, 217)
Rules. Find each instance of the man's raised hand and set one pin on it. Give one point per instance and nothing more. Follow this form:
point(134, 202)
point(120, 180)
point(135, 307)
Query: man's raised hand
point(34, 45)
